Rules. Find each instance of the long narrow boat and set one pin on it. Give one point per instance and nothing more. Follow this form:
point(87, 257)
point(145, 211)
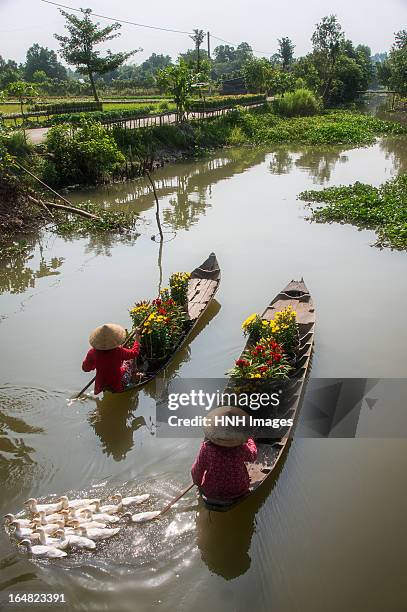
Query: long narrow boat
point(202, 287)
point(270, 451)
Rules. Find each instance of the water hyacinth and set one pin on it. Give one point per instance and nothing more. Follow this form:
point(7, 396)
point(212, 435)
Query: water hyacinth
point(383, 208)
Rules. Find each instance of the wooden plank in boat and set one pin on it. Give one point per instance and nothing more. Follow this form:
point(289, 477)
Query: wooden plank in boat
point(200, 301)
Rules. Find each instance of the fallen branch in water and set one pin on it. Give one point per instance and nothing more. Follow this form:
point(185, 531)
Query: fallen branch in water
point(70, 209)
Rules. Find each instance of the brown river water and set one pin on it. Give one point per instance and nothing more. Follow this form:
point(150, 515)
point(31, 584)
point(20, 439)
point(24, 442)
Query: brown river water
point(329, 532)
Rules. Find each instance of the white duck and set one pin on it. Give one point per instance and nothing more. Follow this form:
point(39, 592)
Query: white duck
point(34, 507)
point(79, 503)
point(74, 540)
point(42, 551)
point(10, 518)
point(72, 516)
point(50, 518)
point(49, 528)
point(46, 540)
point(110, 508)
point(23, 532)
point(70, 530)
point(129, 501)
point(142, 517)
point(95, 533)
point(105, 518)
point(87, 520)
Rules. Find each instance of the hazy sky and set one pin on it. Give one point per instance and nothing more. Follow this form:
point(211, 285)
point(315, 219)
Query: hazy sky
point(259, 22)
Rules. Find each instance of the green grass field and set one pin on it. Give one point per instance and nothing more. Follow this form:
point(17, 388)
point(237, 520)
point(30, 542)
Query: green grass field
point(10, 108)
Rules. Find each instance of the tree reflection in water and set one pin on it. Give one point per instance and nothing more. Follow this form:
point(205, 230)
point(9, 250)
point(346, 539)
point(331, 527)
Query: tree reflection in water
point(17, 275)
point(17, 465)
point(395, 149)
point(185, 187)
point(317, 161)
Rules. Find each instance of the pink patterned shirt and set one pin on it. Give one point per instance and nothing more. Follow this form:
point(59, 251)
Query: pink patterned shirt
point(220, 472)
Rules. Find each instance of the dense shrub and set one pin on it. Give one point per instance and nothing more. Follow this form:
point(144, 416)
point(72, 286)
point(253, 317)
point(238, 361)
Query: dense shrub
point(217, 102)
point(298, 103)
point(17, 145)
point(104, 116)
point(85, 155)
point(68, 107)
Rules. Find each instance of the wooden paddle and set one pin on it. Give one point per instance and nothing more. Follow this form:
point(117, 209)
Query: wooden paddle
point(141, 518)
point(174, 501)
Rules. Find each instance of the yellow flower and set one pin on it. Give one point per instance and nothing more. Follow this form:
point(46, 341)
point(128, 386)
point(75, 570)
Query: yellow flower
point(249, 320)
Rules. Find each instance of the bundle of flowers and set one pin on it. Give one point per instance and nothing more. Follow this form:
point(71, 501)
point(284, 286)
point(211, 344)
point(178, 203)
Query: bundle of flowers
point(162, 321)
point(179, 287)
point(283, 328)
point(272, 345)
point(263, 360)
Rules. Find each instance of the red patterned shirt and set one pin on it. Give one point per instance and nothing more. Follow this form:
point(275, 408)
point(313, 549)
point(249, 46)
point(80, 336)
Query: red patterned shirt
point(108, 365)
point(221, 472)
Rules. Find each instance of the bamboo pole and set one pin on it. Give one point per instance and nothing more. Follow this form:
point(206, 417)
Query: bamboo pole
point(157, 210)
point(70, 209)
point(45, 185)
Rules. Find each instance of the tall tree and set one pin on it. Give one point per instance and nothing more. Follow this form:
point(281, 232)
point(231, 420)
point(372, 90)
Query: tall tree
point(25, 93)
point(42, 58)
point(397, 63)
point(258, 73)
point(327, 41)
point(79, 47)
point(243, 52)
point(198, 38)
point(9, 72)
point(224, 53)
point(286, 52)
point(178, 81)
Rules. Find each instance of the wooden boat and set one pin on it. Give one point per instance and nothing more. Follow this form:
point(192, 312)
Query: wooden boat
point(270, 451)
point(202, 287)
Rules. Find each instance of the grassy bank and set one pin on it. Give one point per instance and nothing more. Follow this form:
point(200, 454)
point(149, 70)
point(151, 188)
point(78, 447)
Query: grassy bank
point(259, 128)
point(383, 209)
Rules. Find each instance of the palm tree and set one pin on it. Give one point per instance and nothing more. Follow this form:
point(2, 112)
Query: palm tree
point(198, 38)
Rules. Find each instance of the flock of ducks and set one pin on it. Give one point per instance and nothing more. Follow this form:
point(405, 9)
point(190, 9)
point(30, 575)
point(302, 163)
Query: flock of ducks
point(48, 530)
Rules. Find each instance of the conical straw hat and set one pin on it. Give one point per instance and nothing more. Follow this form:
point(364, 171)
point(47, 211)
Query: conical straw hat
point(228, 434)
point(107, 337)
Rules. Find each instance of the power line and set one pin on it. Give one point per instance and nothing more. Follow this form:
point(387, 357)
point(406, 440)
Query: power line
point(150, 27)
point(140, 25)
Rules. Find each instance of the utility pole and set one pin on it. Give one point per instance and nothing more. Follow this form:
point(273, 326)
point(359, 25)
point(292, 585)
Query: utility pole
point(209, 45)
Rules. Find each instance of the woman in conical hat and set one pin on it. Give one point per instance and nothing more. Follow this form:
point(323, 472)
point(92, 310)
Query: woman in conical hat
point(219, 469)
point(107, 356)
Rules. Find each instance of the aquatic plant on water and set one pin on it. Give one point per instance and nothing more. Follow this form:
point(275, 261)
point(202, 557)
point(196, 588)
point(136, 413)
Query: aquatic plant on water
point(383, 208)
